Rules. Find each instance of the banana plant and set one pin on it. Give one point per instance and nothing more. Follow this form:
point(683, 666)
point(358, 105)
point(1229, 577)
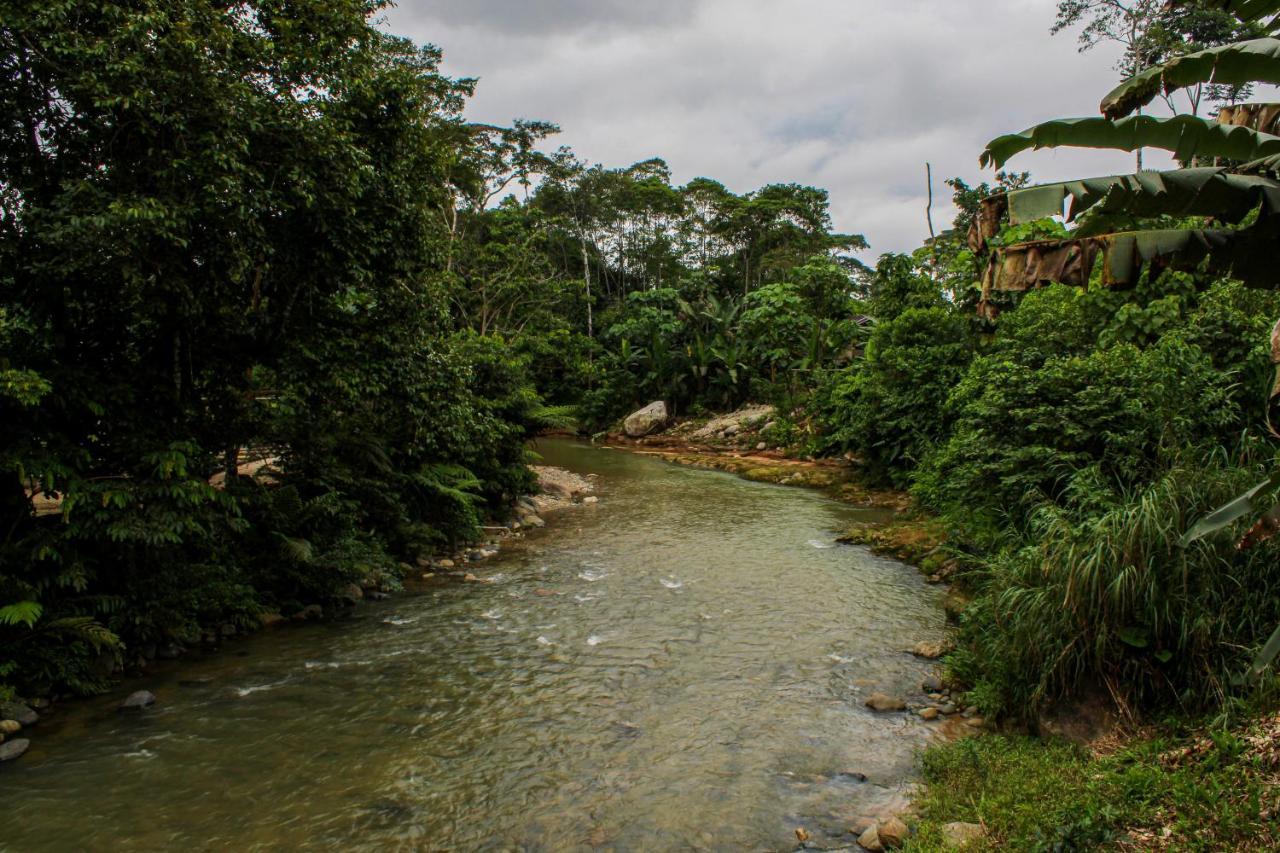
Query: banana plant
point(1244, 198)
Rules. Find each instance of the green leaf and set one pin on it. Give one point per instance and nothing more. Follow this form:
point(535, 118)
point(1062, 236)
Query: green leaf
point(22, 613)
point(1269, 651)
point(1183, 192)
point(1255, 61)
point(1135, 636)
point(1185, 136)
point(1250, 503)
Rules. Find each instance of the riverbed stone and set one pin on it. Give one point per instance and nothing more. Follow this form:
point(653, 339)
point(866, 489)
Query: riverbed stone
point(958, 833)
point(138, 700)
point(445, 564)
point(928, 713)
point(10, 750)
point(931, 684)
point(931, 649)
point(311, 611)
point(870, 840)
point(884, 702)
point(646, 421)
point(9, 727)
point(893, 833)
point(20, 712)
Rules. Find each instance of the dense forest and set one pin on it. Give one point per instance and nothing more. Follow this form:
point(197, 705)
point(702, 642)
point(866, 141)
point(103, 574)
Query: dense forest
point(265, 232)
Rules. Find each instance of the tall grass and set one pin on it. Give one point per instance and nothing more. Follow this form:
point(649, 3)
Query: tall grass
point(1109, 598)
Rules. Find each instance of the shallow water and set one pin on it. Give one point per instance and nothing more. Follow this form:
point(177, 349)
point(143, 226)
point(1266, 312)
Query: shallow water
point(694, 681)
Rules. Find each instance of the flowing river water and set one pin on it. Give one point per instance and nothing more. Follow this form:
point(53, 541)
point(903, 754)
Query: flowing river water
point(681, 666)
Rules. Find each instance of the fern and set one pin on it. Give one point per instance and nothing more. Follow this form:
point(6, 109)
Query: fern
point(22, 613)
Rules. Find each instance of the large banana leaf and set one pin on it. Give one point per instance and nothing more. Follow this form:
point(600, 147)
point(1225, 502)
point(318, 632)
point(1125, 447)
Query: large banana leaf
point(1206, 191)
point(1254, 61)
point(1185, 136)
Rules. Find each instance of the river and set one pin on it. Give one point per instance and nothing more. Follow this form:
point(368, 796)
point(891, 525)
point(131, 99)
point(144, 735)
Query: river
point(681, 666)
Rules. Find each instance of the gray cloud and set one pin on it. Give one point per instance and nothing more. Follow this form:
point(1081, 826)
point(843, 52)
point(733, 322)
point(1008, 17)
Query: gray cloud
point(851, 95)
point(549, 16)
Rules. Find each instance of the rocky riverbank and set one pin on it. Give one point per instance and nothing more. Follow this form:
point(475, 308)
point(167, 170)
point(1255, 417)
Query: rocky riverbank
point(558, 490)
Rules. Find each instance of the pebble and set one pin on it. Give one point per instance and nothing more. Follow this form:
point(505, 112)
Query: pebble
point(591, 500)
point(928, 713)
point(975, 722)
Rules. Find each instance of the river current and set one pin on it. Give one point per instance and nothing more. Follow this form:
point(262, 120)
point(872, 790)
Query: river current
point(681, 666)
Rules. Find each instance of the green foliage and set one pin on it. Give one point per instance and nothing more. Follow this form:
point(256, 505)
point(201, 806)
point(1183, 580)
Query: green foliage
point(890, 407)
point(1189, 790)
point(244, 231)
point(1101, 592)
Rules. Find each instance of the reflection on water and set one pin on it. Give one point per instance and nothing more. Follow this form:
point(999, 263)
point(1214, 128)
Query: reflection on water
point(694, 680)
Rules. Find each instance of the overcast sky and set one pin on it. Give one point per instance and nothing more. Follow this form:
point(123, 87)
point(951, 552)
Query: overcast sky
point(850, 95)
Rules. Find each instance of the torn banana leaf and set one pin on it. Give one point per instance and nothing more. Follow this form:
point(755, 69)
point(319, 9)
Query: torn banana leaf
point(1186, 137)
point(1212, 192)
point(1254, 61)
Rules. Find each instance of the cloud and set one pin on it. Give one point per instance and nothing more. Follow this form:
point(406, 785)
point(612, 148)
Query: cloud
point(544, 16)
point(851, 95)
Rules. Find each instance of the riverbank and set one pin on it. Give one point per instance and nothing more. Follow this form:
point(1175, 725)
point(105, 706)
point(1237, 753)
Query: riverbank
point(558, 490)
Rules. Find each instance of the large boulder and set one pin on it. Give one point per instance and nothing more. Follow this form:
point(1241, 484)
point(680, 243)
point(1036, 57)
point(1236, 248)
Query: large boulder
point(648, 420)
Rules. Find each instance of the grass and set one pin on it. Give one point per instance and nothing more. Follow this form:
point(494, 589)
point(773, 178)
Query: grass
point(1209, 790)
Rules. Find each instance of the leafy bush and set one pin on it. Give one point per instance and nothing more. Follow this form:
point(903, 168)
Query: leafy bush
point(1108, 596)
point(1026, 422)
point(891, 406)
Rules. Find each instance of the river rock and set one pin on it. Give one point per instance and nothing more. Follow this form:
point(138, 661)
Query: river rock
point(533, 521)
point(882, 702)
point(931, 684)
point(959, 833)
point(19, 712)
point(762, 446)
point(9, 727)
point(311, 611)
point(445, 564)
point(931, 649)
point(14, 748)
point(928, 713)
point(870, 840)
point(592, 499)
point(351, 593)
point(138, 700)
point(377, 595)
point(893, 833)
point(646, 421)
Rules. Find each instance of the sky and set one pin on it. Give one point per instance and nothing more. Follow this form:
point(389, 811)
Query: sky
point(854, 96)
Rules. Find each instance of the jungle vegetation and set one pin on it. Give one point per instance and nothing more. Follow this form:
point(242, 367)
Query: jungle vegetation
point(259, 231)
